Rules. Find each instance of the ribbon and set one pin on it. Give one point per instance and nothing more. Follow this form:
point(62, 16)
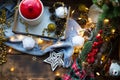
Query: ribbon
point(77, 73)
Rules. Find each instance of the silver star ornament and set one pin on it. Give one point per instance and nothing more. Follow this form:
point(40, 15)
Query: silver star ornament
point(55, 59)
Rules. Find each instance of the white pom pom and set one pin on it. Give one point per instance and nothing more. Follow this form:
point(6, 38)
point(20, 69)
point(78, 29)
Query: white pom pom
point(114, 69)
point(28, 43)
point(61, 12)
point(78, 41)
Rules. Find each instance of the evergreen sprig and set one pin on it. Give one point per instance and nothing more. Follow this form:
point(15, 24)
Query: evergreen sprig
point(86, 49)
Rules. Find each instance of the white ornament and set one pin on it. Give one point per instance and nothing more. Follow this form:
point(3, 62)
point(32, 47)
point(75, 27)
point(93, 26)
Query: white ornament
point(55, 59)
point(28, 43)
point(61, 12)
point(78, 41)
point(114, 69)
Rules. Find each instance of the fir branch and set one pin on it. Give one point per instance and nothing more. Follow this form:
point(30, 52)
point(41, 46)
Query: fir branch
point(116, 11)
point(99, 25)
point(86, 49)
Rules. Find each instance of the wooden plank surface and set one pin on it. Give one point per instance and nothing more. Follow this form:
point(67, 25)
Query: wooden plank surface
point(25, 68)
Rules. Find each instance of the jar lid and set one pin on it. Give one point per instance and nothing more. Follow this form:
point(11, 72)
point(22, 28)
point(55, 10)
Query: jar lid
point(31, 9)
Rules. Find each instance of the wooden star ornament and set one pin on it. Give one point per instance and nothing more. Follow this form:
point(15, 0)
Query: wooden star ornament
point(55, 59)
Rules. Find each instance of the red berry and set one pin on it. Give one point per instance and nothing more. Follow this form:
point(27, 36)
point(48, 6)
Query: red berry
point(95, 44)
point(89, 55)
point(98, 37)
point(88, 60)
point(94, 51)
point(100, 42)
point(92, 59)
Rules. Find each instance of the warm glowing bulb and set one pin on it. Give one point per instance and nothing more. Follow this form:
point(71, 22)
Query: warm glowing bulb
point(10, 50)
point(16, 38)
point(57, 74)
point(12, 69)
point(113, 31)
point(106, 21)
point(12, 38)
point(73, 11)
point(39, 41)
point(97, 73)
point(20, 37)
point(98, 34)
point(86, 8)
point(107, 39)
point(103, 58)
point(79, 18)
point(90, 20)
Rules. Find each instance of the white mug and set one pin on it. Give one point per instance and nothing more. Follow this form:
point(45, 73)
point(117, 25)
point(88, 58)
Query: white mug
point(34, 21)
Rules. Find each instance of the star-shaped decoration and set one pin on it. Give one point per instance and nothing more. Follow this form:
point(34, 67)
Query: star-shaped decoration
point(55, 59)
point(34, 58)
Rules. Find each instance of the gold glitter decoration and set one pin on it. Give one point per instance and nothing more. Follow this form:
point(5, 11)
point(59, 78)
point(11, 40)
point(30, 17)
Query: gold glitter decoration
point(3, 17)
point(26, 28)
point(3, 48)
point(26, 25)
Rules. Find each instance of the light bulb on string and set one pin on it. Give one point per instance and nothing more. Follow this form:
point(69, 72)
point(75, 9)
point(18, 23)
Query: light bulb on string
point(113, 31)
point(79, 18)
point(12, 69)
point(89, 20)
point(72, 11)
point(97, 73)
point(106, 21)
point(107, 39)
point(10, 50)
point(57, 73)
point(103, 58)
point(39, 41)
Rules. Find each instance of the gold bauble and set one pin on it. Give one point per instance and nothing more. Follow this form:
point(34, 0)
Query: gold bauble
point(51, 27)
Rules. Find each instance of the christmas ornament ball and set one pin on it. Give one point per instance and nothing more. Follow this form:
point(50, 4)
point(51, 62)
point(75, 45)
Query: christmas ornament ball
point(51, 27)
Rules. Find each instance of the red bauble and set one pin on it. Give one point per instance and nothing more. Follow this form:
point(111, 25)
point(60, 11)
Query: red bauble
point(31, 9)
